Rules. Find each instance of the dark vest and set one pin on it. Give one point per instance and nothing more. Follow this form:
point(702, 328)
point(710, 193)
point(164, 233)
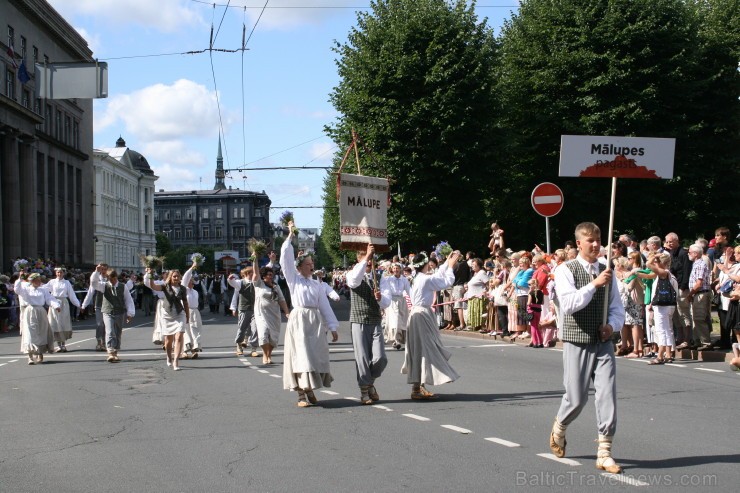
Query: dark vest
point(112, 299)
point(364, 308)
point(176, 302)
point(582, 327)
point(246, 296)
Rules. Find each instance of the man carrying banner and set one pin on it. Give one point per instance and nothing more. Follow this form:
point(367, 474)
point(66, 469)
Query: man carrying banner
point(365, 320)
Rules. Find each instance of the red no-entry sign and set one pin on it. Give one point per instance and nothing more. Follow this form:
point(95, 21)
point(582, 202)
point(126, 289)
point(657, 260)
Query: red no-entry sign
point(547, 199)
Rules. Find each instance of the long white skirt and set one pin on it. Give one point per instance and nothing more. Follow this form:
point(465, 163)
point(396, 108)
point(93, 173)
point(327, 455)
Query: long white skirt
point(267, 318)
point(396, 319)
point(157, 334)
point(36, 335)
point(306, 364)
point(61, 322)
point(172, 324)
point(192, 330)
point(426, 358)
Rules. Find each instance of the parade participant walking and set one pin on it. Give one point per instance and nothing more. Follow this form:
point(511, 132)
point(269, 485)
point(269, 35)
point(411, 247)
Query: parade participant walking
point(306, 365)
point(116, 306)
point(365, 319)
point(588, 353)
point(426, 358)
point(95, 299)
point(268, 301)
point(61, 321)
point(396, 287)
point(174, 315)
point(195, 324)
point(36, 335)
point(242, 302)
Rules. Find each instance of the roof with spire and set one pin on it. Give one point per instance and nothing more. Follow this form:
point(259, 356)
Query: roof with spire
point(123, 153)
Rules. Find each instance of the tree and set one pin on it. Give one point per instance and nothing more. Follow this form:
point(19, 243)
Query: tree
point(164, 245)
point(611, 67)
point(416, 85)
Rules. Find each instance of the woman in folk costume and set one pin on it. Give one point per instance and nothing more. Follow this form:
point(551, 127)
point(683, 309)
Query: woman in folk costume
point(61, 322)
point(306, 365)
point(174, 313)
point(395, 287)
point(36, 335)
point(268, 301)
point(426, 357)
point(194, 327)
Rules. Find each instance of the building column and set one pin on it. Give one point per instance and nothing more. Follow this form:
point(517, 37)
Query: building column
point(29, 237)
point(11, 204)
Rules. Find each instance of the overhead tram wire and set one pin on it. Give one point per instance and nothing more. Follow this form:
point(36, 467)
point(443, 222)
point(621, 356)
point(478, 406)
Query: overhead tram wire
point(334, 7)
point(215, 86)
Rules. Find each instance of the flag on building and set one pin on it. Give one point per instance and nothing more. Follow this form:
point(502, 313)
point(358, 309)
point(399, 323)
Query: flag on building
point(23, 73)
point(11, 54)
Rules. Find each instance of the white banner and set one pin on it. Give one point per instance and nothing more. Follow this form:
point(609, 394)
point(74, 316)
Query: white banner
point(72, 80)
point(620, 157)
point(363, 212)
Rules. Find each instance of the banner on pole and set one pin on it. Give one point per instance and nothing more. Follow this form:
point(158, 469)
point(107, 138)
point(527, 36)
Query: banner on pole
point(363, 212)
point(590, 156)
point(83, 80)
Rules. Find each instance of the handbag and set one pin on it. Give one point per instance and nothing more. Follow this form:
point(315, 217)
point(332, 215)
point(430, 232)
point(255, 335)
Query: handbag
point(665, 295)
point(726, 287)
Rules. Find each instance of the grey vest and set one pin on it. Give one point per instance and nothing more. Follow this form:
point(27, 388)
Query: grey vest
point(246, 296)
point(365, 308)
point(113, 303)
point(174, 303)
point(582, 327)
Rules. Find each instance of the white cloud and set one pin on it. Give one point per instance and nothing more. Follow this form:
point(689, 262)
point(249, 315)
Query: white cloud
point(289, 14)
point(93, 40)
point(164, 112)
point(322, 152)
point(163, 15)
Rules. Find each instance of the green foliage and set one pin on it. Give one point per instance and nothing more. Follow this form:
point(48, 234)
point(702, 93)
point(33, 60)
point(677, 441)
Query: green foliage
point(178, 258)
point(164, 245)
point(416, 85)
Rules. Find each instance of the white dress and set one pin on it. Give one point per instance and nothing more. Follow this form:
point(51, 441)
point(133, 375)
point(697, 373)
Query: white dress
point(267, 312)
point(36, 335)
point(396, 315)
point(306, 364)
point(164, 323)
point(61, 322)
point(426, 357)
point(194, 327)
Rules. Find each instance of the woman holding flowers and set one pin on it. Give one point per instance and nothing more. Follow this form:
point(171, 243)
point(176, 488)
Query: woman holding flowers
point(174, 315)
point(36, 335)
point(306, 365)
point(195, 325)
point(268, 301)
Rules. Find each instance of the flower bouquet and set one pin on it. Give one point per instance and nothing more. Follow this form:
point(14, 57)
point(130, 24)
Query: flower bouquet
point(286, 218)
point(150, 261)
point(443, 249)
point(20, 265)
point(197, 259)
point(257, 247)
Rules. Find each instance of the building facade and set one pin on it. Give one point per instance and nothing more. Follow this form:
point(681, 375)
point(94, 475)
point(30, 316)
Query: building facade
point(46, 172)
point(222, 218)
point(124, 207)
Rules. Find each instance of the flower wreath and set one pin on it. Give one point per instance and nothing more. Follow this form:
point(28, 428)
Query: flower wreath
point(420, 259)
point(301, 258)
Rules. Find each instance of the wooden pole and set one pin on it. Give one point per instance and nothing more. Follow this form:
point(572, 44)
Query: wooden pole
point(609, 249)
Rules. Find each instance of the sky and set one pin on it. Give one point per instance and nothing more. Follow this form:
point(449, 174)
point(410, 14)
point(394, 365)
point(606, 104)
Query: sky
point(272, 100)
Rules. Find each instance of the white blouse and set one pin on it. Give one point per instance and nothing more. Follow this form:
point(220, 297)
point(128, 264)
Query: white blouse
point(63, 289)
point(29, 295)
point(305, 292)
point(422, 292)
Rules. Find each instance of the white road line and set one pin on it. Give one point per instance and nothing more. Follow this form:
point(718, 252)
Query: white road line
point(353, 399)
point(275, 376)
point(710, 369)
point(12, 361)
point(263, 371)
point(329, 392)
point(464, 431)
point(503, 442)
point(383, 408)
point(3, 364)
point(555, 349)
point(569, 462)
point(253, 368)
point(416, 417)
point(677, 365)
point(625, 479)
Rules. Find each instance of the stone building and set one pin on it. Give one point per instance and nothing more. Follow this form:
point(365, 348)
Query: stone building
point(124, 207)
point(223, 218)
point(46, 176)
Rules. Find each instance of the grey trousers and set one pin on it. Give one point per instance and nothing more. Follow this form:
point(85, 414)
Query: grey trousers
point(247, 328)
point(582, 364)
point(113, 331)
point(700, 309)
point(369, 346)
point(99, 326)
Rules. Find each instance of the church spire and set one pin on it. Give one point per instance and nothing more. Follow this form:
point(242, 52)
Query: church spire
point(220, 185)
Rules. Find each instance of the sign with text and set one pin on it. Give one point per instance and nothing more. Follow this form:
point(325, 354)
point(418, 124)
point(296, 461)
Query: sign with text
point(363, 212)
point(616, 157)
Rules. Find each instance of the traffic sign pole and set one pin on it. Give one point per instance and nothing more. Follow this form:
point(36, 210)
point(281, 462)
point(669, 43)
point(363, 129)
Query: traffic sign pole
point(547, 201)
point(547, 234)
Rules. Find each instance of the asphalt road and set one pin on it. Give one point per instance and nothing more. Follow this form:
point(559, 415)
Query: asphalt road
point(224, 423)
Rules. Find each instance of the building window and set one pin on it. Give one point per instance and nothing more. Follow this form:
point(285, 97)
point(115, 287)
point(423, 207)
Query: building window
point(241, 212)
point(218, 213)
point(26, 99)
point(257, 230)
point(67, 130)
point(218, 231)
point(166, 215)
point(35, 54)
point(258, 212)
point(10, 83)
point(47, 120)
point(177, 215)
point(58, 125)
point(178, 233)
point(204, 214)
point(24, 46)
point(206, 232)
point(37, 108)
point(156, 215)
point(188, 233)
point(11, 36)
point(236, 212)
point(146, 195)
point(238, 231)
point(189, 214)
point(146, 223)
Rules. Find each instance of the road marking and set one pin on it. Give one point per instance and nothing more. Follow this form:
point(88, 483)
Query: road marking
point(555, 349)
point(417, 417)
point(464, 431)
point(569, 462)
point(353, 399)
point(625, 479)
point(262, 371)
point(710, 369)
point(677, 365)
point(329, 392)
point(383, 408)
point(3, 364)
point(503, 442)
point(275, 376)
point(12, 361)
